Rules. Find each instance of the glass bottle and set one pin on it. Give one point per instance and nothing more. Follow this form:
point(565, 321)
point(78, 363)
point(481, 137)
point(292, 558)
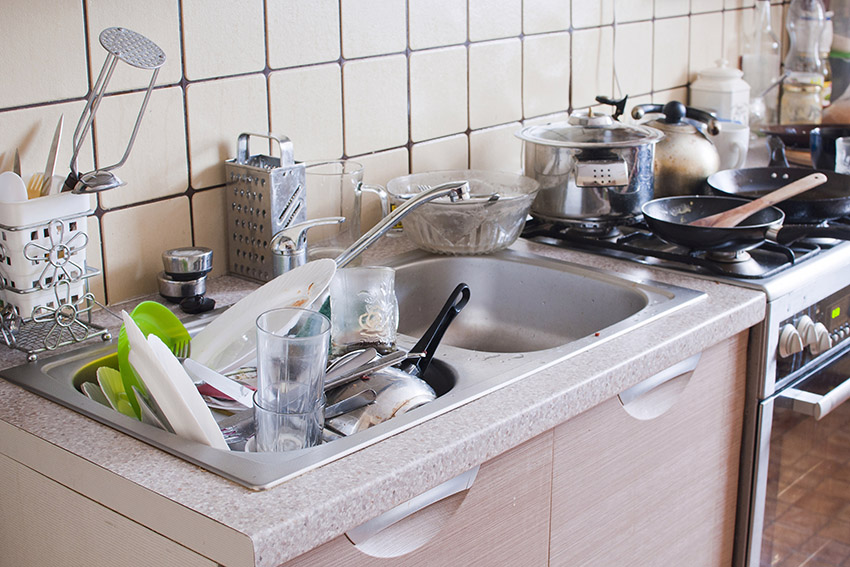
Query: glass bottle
point(760, 64)
point(825, 47)
point(805, 23)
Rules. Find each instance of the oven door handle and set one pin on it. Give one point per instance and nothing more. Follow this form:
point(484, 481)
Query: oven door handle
point(814, 405)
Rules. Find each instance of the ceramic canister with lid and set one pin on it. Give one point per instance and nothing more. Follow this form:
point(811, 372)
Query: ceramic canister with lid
point(722, 91)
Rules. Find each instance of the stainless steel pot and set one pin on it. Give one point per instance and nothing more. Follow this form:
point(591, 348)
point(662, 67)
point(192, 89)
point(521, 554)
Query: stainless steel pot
point(594, 172)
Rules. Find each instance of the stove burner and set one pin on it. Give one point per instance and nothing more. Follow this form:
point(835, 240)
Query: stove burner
point(638, 244)
point(730, 257)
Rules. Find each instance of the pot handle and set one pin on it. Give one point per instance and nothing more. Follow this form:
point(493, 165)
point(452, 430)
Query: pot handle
point(674, 111)
point(789, 233)
point(619, 105)
point(432, 337)
point(776, 148)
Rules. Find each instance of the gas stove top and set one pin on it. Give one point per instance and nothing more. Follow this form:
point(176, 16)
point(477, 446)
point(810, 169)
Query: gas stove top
point(754, 268)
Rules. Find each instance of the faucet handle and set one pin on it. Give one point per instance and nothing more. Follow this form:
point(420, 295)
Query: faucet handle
point(289, 246)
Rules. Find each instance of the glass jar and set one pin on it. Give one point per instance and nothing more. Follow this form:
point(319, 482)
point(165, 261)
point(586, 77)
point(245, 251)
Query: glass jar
point(801, 103)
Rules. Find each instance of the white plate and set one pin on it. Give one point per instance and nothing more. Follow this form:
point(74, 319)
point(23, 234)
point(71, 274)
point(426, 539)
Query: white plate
point(171, 388)
point(230, 340)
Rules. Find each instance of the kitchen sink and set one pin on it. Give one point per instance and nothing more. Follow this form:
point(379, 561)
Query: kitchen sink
point(526, 313)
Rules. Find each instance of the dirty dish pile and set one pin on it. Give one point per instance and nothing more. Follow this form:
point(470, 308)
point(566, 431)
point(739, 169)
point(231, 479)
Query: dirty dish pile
point(490, 221)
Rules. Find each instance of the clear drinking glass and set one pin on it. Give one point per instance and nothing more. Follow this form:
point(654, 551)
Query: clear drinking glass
point(282, 431)
point(364, 309)
point(292, 354)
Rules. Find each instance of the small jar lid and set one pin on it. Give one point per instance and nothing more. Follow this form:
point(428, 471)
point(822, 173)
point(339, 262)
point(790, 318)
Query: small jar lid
point(187, 262)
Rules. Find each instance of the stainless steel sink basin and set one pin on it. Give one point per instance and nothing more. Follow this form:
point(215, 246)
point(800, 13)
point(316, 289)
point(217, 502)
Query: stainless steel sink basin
point(520, 303)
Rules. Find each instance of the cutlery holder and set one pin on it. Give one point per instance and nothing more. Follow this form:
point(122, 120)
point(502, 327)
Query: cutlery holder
point(43, 272)
point(265, 194)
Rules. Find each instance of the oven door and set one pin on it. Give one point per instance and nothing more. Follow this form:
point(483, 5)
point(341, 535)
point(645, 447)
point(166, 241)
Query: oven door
point(807, 490)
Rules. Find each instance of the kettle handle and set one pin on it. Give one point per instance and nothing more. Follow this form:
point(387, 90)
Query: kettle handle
point(674, 111)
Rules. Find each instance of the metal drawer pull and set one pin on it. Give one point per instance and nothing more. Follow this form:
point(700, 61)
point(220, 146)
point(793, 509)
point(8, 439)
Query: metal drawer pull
point(814, 405)
point(457, 484)
point(647, 399)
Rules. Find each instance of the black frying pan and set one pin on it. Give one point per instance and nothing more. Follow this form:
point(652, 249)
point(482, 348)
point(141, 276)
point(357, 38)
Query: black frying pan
point(669, 218)
point(829, 201)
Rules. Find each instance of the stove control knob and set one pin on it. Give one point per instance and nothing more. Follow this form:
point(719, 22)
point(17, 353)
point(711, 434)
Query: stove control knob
point(790, 341)
point(824, 342)
point(806, 328)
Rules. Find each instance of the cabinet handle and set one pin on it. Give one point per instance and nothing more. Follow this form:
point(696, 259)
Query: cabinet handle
point(814, 405)
point(457, 484)
point(631, 396)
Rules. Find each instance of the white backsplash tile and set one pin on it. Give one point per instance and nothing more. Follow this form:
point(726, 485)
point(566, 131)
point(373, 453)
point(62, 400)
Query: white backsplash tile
point(55, 69)
point(30, 131)
point(542, 16)
point(451, 152)
point(706, 43)
point(633, 58)
point(375, 104)
point(496, 149)
point(396, 84)
point(217, 112)
point(373, 27)
point(670, 58)
point(546, 73)
point(157, 20)
point(669, 8)
point(209, 228)
point(378, 168)
point(593, 65)
point(157, 164)
point(495, 93)
point(438, 102)
point(589, 13)
point(133, 242)
point(434, 23)
point(223, 38)
point(306, 106)
point(301, 32)
point(494, 19)
point(633, 10)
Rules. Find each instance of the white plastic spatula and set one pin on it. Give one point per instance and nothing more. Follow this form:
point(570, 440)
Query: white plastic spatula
point(12, 188)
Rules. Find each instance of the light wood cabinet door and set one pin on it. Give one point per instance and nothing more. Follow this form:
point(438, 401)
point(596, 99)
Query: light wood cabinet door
point(503, 519)
point(45, 523)
point(659, 490)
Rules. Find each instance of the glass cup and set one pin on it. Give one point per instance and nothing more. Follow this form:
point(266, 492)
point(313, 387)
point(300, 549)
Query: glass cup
point(292, 354)
point(364, 309)
point(335, 189)
point(281, 431)
point(842, 154)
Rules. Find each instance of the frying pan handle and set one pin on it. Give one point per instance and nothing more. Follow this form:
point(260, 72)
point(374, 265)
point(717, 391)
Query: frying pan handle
point(776, 148)
point(432, 337)
point(789, 233)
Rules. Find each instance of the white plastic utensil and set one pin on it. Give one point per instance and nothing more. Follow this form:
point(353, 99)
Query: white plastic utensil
point(12, 188)
point(230, 340)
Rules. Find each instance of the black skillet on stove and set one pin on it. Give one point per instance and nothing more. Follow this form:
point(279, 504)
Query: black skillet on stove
point(669, 218)
point(829, 201)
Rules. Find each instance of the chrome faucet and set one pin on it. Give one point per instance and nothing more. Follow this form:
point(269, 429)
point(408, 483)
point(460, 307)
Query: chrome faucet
point(289, 246)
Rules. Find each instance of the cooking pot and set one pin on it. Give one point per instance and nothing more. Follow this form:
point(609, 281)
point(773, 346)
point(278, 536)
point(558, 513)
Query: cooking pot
point(686, 156)
point(594, 172)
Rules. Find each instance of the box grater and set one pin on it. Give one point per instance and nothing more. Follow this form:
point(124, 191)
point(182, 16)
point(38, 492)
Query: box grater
point(264, 195)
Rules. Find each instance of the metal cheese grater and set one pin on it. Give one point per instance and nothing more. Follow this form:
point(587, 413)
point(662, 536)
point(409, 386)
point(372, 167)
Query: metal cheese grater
point(264, 195)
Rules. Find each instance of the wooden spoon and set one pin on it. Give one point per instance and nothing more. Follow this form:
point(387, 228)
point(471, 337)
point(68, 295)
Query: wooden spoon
point(734, 216)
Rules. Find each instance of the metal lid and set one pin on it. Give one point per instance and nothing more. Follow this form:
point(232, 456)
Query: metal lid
point(566, 135)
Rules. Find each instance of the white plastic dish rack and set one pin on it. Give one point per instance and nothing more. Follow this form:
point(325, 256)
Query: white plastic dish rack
point(44, 291)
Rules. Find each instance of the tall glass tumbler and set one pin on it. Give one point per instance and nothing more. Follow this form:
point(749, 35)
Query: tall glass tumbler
point(292, 354)
point(364, 309)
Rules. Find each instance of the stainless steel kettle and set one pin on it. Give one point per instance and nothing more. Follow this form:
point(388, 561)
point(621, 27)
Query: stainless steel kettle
point(686, 156)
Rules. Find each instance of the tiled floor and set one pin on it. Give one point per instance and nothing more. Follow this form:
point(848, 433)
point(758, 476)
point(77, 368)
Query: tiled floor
point(807, 515)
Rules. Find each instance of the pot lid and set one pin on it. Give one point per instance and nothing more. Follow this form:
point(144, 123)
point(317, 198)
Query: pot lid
point(610, 134)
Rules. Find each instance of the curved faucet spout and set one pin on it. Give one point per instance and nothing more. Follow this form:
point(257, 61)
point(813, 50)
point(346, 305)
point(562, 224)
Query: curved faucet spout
point(455, 190)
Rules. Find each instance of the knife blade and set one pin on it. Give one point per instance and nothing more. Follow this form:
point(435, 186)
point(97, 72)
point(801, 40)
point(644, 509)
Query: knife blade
point(16, 167)
point(47, 180)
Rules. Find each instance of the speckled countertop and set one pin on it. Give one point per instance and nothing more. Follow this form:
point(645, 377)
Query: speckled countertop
point(315, 507)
